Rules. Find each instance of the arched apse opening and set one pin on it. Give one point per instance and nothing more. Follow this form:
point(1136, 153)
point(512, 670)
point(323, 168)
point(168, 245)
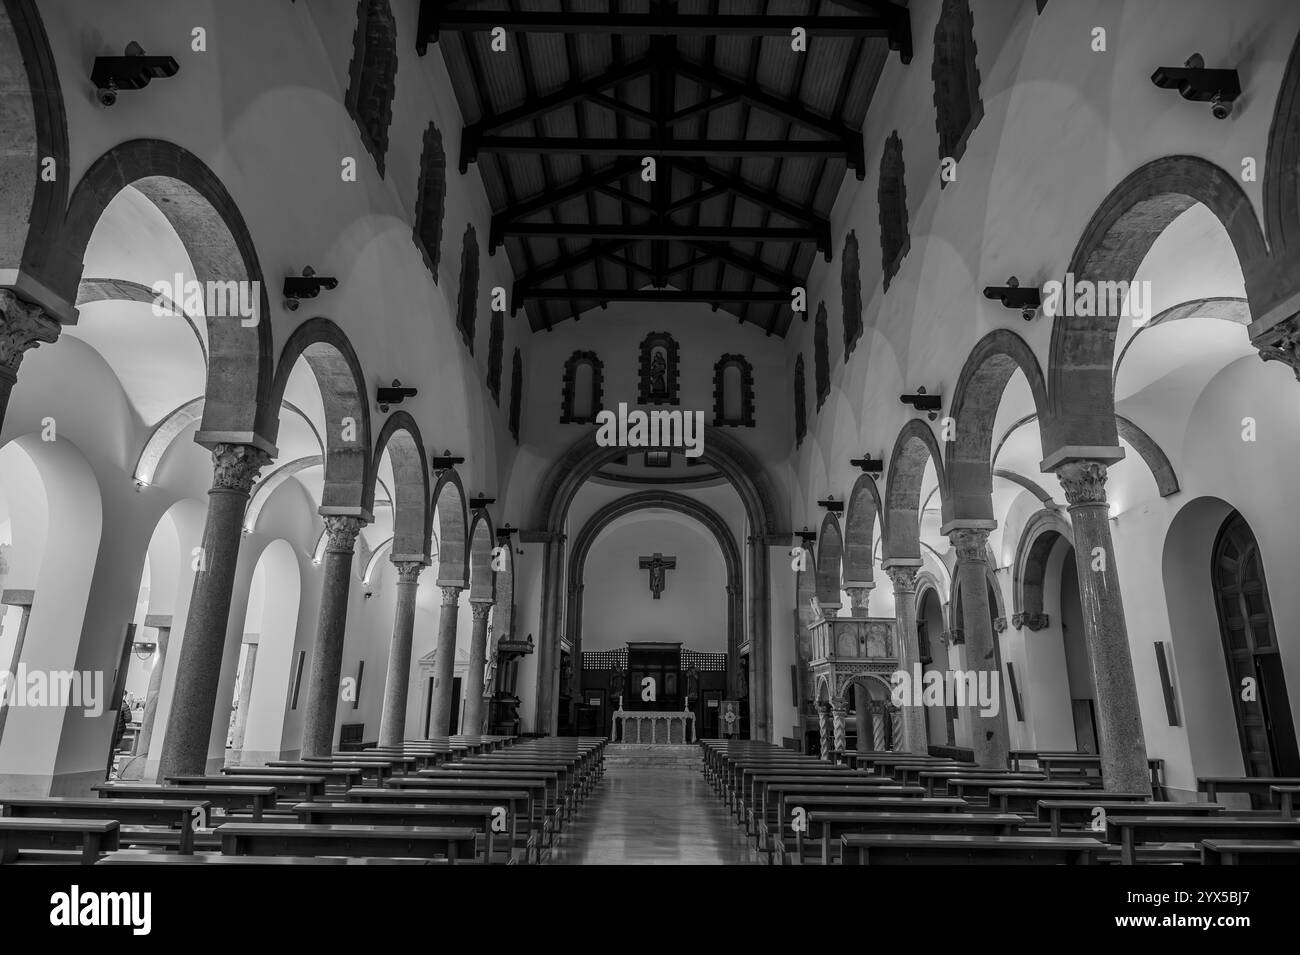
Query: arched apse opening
point(31, 100)
point(262, 679)
point(337, 371)
point(205, 217)
point(1111, 249)
point(976, 399)
point(761, 503)
point(914, 451)
point(830, 553)
point(51, 520)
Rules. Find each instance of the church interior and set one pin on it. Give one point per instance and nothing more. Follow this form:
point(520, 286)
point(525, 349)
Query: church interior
point(742, 432)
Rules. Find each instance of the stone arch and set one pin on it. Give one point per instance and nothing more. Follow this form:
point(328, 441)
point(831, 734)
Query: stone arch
point(412, 520)
point(1282, 162)
point(710, 519)
point(213, 232)
point(31, 100)
point(467, 304)
point(372, 76)
point(450, 510)
point(482, 538)
point(821, 356)
point(875, 685)
point(1225, 308)
point(1111, 249)
point(830, 555)
point(334, 363)
point(860, 516)
point(851, 292)
point(958, 108)
point(895, 241)
point(915, 446)
point(1042, 531)
point(745, 416)
point(431, 200)
point(969, 454)
point(762, 504)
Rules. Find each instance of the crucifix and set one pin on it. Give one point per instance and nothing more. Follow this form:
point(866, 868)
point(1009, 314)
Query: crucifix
point(658, 565)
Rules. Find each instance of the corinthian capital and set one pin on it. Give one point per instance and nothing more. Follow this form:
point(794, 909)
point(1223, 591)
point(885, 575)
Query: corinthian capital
point(904, 578)
point(971, 543)
point(235, 466)
point(342, 530)
point(1282, 343)
point(451, 596)
point(408, 571)
point(1084, 482)
point(22, 327)
point(480, 609)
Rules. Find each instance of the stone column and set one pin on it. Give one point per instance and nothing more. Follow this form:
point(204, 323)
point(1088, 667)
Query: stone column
point(444, 663)
point(477, 659)
point(22, 328)
point(245, 697)
point(914, 739)
point(895, 727)
point(824, 731)
point(323, 685)
point(189, 725)
point(838, 713)
point(151, 695)
point(1119, 720)
point(988, 733)
point(862, 717)
point(392, 722)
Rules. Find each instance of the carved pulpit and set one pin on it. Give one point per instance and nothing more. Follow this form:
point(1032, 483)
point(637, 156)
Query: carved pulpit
point(843, 651)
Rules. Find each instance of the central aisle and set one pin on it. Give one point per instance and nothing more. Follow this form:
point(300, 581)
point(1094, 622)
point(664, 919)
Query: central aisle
point(653, 815)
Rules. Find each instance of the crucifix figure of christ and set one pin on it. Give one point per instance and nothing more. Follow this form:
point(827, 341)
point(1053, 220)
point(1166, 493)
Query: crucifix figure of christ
point(658, 565)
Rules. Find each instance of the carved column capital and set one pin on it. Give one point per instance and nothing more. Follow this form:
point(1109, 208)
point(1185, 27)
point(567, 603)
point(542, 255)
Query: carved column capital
point(904, 578)
point(451, 596)
point(480, 609)
point(341, 533)
point(971, 543)
point(22, 328)
point(1282, 343)
point(999, 624)
point(408, 571)
point(235, 466)
point(1084, 482)
point(859, 598)
point(1029, 621)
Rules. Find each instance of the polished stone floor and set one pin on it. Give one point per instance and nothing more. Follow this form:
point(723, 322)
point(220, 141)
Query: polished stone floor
point(652, 815)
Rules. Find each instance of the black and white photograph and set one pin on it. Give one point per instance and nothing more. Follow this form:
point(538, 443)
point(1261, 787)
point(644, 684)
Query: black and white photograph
point(611, 433)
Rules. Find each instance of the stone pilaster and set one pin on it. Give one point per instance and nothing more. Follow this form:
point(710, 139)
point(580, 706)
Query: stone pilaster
point(444, 663)
point(988, 733)
point(909, 652)
point(392, 722)
point(1119, 719)
point(22, 328)
point(323, 686)
point(480, 610)
point(189, 725)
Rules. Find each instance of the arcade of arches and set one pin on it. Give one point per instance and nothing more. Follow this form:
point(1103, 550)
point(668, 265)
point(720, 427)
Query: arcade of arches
point(266, 556)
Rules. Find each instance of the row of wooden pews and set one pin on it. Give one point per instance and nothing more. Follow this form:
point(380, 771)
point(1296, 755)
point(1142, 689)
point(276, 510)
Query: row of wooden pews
point(475, 799)
point(1046, 808)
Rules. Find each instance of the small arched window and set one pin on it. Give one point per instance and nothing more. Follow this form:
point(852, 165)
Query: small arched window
point(468, 288)
point(372, 76)
point(584, 388)
point(892, 196)
point(431, 200)
point(733, 392)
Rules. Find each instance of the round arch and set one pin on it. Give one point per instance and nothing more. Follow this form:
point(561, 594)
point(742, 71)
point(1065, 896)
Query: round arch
point(915, 447)
point(1042, 531)
point(1081, 409)
point(830, 552)
point(412, 522)
point(451, 512)
point(860, 516)
point(482, 579)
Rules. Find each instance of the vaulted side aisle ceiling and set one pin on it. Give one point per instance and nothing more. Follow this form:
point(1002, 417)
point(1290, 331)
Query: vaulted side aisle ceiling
point(751, 140)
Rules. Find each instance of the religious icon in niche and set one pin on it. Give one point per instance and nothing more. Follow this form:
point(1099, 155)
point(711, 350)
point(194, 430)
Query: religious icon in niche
point(657, 370)
point(658, 565)
point(658, 375)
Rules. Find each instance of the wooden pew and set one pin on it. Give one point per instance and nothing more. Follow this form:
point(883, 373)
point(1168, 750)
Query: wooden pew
point(435, 814)
point(144, 857)
point(1285, 797)
point(933, 779)
point(978, 788)
point(176, 815)
point(551, 801)
point(1129, 832)
point(757, 807)
point(834, 823)
point(297, 788)
point(1025, 799)
point(780, 798)
point(1059, 813)
point(1259, 788)
point(1250, 852)
point(423, 842)
point(854, 803)
point(91, 836)
point(894, 849)
point(333, 775)
point(254, 799)
point(519, 802)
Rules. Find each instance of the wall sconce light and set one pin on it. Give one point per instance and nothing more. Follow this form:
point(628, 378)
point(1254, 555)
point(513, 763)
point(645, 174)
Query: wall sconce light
point(1219, 88)
point(832, 505)
point(130, 72)
point(444, 462)
point(808, 537)
point(922, 401)
point(1011, 295)
point(869, 465)
point(394, 395)
point(479, 502)
point(309, 285)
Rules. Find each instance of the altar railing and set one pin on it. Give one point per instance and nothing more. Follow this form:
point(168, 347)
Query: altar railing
point(654, 726)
